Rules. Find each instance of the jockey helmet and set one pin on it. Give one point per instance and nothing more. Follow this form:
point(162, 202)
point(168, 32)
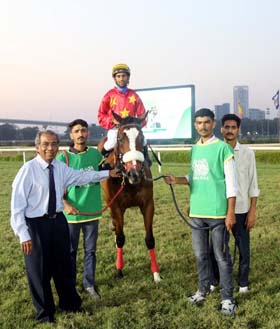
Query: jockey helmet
point(120, 68)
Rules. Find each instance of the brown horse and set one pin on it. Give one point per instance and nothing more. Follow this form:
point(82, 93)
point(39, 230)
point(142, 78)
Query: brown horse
point(137, 185)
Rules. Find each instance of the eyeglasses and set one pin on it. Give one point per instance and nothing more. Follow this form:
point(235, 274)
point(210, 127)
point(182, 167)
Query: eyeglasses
point(46, 144)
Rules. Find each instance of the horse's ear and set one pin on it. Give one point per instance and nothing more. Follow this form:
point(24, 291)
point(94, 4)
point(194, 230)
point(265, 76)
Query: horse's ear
point(143, 116)
point(117, 117)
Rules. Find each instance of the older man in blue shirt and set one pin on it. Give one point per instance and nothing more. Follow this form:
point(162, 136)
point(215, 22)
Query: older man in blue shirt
point(44, 233)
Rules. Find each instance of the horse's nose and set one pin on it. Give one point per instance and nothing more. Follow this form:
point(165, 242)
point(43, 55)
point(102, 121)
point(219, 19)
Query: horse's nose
point(134, 176)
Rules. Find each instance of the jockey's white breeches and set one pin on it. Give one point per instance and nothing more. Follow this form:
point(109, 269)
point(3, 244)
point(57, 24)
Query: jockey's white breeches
point(111, 139)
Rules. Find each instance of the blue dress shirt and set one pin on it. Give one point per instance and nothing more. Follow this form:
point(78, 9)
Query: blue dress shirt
point(30, 190)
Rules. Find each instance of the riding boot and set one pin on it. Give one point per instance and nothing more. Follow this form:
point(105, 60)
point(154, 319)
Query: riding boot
point(105, 153)
point(103, 165)
point(146, 156)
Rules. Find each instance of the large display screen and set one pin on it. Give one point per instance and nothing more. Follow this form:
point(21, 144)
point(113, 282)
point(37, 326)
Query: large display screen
point(171, 111)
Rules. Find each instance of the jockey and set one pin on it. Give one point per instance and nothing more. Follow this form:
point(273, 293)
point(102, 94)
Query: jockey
point(124, 102)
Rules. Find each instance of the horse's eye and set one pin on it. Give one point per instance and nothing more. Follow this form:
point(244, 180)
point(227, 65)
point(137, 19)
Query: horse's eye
point(120, 139)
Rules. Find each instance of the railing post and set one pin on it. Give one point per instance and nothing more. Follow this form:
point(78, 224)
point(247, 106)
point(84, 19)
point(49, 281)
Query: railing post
point(159, 167)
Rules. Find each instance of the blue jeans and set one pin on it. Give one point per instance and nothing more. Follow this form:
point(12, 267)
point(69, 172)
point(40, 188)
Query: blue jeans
point(90, 235)
point(220, 239)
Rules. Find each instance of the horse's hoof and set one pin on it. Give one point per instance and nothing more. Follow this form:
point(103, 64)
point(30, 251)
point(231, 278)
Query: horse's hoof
point(119, 274)
point(157, 278)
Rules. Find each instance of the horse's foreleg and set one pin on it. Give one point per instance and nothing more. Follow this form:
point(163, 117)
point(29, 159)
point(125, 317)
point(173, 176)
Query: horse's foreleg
point(150, 241)
point(120, 240)
point(154, 266)
point(119, 260)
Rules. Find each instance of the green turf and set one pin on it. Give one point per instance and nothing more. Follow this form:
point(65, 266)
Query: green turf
point(136, 301)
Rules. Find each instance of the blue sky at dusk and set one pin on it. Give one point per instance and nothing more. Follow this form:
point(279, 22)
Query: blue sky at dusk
point(56, 56)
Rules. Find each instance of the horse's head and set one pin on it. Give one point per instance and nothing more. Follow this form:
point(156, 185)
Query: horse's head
point(129, 148)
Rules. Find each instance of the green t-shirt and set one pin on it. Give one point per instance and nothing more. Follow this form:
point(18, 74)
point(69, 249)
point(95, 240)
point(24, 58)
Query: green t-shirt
point(207, 179)
point(86, 198)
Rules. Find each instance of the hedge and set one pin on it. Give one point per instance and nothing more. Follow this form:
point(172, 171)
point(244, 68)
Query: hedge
point(270, 157)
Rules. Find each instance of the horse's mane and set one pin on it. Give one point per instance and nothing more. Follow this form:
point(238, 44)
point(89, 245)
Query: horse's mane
point(130, 121)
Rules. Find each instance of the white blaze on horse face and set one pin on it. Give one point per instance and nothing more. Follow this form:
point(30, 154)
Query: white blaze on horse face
point(132, 134)
point(132, 155)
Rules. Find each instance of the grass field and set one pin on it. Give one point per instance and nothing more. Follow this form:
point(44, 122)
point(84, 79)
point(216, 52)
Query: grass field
point(136, 301)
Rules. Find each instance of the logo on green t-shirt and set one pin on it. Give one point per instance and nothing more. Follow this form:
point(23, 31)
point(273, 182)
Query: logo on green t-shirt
point(200, 169)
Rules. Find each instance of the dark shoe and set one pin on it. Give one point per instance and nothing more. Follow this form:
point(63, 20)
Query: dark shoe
point(105, 153)
point(71, 304)
point(103, 165)
point(49, 319)
point(70, 309)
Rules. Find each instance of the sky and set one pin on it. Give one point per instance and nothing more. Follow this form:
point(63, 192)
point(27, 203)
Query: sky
point(56, 56)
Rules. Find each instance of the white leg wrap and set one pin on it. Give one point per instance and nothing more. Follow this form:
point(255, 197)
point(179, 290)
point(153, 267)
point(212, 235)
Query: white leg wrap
point(157, 278)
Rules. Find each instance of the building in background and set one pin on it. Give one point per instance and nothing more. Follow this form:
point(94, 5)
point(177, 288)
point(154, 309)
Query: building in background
point(221, 110)
point(256, 114)
point(241, 101)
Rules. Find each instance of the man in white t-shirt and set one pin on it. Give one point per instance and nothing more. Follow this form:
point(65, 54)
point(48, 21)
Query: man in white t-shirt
point(246, 200)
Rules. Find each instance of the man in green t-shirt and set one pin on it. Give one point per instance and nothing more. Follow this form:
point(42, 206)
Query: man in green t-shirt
point(86, 198)
point(212, 184)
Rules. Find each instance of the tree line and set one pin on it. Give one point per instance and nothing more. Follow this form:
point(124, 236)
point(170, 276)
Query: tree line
point(12, 133)
point(250, 130)
point(255, 129)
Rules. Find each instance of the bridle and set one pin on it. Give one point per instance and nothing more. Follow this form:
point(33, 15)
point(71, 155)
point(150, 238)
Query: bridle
point(131, 160)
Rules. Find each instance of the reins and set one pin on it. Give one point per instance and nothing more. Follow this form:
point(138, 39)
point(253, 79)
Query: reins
point(153, 179)
point(106, 207)
point(176, 204)
point(85, 213)
point(154, 155)
point(201, 228)
point(183, 217)
point(177, 207)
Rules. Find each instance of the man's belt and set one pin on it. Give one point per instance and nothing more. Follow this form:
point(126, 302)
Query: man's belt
point(46, 216)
